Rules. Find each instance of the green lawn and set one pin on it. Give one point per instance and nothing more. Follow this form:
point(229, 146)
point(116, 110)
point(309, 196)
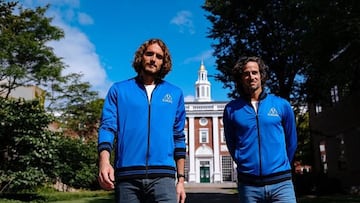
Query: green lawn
point(88, 200)
point(59, 197)
point(105, 197)
point(81, 200)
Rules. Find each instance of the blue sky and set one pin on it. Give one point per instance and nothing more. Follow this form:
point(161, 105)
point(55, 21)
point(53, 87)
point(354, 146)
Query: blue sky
point(102, 36)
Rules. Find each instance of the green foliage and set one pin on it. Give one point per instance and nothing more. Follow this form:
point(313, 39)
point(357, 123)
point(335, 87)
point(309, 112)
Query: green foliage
point(304, 149)
point(33, 155)
point(77, 163)
point(25, 58)
point(27, 153)
point(25, 180)
point(271, 29)
point(309, 46)
point(306, 44)
point(333, 44)
point(79, 107)
point(30, 154)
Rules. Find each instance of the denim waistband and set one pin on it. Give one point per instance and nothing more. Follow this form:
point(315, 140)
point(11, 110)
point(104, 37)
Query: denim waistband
point(264, 180)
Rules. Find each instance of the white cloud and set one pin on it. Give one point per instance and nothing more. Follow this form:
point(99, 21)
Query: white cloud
point(184, 22)
point(68, 3)
point(63, 9)
point(78, 52)
point(85, 19)
point(204, 56)
point(79, 55)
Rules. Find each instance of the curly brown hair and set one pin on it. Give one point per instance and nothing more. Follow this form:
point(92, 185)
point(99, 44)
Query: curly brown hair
point(138, 58)
point(237, 71)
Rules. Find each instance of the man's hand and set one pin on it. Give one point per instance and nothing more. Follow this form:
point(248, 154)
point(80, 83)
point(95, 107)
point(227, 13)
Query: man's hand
point(180, 191)
point(106, 171)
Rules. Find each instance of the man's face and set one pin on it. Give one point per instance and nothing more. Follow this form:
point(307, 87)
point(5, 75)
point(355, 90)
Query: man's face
point(152, 59)
point(251, 78)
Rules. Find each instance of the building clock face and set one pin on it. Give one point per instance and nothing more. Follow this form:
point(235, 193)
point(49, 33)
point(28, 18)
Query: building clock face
point(203, 121)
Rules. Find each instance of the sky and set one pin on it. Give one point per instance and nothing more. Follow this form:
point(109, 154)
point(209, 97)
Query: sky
point(101, 38)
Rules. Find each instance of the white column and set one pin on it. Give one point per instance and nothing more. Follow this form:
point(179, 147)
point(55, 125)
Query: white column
point(217, 173)
point(191, 143)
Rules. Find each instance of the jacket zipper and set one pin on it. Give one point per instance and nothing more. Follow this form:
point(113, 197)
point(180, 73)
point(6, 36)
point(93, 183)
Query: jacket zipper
point(148, 137)
point(259, 138)
point(148, 144)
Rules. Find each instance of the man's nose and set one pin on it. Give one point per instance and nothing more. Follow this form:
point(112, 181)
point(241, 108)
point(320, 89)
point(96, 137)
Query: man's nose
point(153, 57)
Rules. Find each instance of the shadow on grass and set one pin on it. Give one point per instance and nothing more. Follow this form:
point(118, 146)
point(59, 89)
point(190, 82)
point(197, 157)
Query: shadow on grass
point(108, 199)
point(329, 199)
point(23, 197)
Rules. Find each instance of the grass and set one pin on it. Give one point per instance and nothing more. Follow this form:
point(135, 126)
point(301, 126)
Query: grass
point(59, 197)
point(89, 200)
point(104, 197)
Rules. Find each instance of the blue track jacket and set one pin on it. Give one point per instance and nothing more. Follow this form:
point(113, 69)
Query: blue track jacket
point(149, 136)
point(262, 144)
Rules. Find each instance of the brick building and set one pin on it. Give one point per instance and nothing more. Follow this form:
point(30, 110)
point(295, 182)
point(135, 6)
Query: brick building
point(336, 138)
point(208, 160)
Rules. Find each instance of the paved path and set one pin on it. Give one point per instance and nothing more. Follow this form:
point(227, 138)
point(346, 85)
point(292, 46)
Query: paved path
point(211, 193)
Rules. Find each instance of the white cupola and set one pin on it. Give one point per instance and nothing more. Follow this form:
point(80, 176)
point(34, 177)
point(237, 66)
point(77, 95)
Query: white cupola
point(202, 85)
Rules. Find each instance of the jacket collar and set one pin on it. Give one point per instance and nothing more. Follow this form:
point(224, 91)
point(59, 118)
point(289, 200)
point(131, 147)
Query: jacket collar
point(139, 80)
point(262, 96)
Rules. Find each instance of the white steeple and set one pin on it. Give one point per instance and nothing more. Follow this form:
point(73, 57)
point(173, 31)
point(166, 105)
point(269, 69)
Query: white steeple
point(202, 85)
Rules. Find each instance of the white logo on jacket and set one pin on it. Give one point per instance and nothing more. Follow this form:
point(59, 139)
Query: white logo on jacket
point(273, 112)
point(167, 98)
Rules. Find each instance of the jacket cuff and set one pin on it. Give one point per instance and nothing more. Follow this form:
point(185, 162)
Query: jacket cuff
point(180, 153)
point(104, 146)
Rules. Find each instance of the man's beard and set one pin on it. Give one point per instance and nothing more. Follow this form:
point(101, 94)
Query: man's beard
point(157, 75)
point(251, 89)
point(150, 73)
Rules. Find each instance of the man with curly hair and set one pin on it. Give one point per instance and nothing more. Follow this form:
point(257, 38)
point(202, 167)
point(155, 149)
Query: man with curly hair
point(261, 136)
point(143, 119)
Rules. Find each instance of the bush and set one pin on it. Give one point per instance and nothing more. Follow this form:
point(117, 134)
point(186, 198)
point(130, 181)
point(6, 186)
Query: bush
point(77, 163)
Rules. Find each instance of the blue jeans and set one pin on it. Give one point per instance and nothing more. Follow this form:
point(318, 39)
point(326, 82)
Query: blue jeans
point(146, 190)
point(282, 192)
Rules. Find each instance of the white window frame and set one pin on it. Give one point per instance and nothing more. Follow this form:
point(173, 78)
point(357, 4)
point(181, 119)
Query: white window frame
point(222, 134)
point(203, 132)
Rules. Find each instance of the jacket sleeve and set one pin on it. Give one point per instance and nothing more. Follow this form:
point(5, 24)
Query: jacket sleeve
point(289, 125)
point(108, 122)
point(179, 136)
point(229, 132)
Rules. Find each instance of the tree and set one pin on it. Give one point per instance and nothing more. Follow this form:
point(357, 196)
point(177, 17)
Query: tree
point(76, 105)
point(333, 44)
point(310, 47)
point(25, 58)
point(36, 156)
point(27, 143)
point(77, 163)
point(304, 148)
point(31, 154)
point(270, 29)
point(306, 44)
